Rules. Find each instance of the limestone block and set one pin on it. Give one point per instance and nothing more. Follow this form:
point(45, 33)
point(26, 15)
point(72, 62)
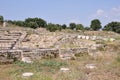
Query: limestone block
point(27, 59)
point(87, 37)
point(83, 37)
point(112, 39)
point(64, 69)
point(90, 66)
point(94, 37)
point(79, 36)
point(27, 74)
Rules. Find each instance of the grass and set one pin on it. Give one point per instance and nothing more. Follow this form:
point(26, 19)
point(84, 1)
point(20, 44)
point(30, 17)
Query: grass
point(49, 69)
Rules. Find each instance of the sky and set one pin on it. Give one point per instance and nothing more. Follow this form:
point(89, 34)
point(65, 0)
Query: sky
point(62, 11)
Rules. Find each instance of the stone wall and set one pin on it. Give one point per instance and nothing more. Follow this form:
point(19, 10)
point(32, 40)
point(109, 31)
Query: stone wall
point(13, 55)
point(42, 53)
point(8, 56)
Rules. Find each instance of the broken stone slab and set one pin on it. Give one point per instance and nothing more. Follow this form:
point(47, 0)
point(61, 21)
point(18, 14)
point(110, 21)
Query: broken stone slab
point(112, 39)
point(27, 60)
point(83, 37)
point(64, 69)
point(87, 37)
point(94, 38)
point(79, 36)
point(90, 66)
point(27, 74)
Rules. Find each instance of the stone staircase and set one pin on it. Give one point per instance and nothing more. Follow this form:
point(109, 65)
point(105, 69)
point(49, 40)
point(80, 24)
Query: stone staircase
point(9, 44)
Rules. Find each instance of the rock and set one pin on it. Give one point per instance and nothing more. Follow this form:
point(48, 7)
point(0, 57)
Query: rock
point(87, 37)
point(27, 74)
point(90, 66)
point(105, 39)
point(26, 60)
point(64, 69)
point(94, 37)
point(79, 36)
point(83, 37)
point(112, 39)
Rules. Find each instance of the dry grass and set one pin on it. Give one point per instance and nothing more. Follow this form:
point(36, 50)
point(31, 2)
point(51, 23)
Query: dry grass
point(108, 68)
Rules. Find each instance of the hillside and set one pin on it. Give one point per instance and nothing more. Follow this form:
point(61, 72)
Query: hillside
point(85, 55)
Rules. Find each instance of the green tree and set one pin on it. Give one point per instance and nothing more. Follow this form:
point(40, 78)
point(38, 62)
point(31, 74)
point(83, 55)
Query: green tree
point(52, 27)
point(113, 26)
point(19, 23)
point(64, 26)
point(87, 28)
point(79, 27)
point(95, 24)
point(33, 25)
point(1, 20)
point(59, 27)
point(40, 22)
point(10, 21)
point(72, 26)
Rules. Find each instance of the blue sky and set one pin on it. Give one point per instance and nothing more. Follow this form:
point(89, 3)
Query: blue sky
point(62, 11)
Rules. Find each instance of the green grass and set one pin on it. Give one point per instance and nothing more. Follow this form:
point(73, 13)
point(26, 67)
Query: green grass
point(49, 69)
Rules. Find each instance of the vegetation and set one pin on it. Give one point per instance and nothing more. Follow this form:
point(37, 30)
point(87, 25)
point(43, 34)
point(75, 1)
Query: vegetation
point(64, 26)
point(113, 26)
point(50, 69)
point(79, 27)
point(1, 20)
point(72, 26)
point(30, 22)
point(35, 22)
point(95, 24)
point(38, 22)
point(53, 27)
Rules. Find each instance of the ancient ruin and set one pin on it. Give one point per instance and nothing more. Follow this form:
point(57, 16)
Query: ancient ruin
point(20, 45)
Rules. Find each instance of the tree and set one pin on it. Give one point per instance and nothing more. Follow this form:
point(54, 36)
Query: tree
point(52, 27)
point(79, 27)
point(40, 22)
point(10, 21)
point(87, 28)
point(1, 20)
point(59, 27)
point(19, 23)
point(33, 25)
point(95, 24)
point(64, 26)
point(113, 26)
point(72, 26)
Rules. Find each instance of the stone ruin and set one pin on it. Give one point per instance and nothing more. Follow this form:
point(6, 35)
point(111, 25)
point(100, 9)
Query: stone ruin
point(11, 50)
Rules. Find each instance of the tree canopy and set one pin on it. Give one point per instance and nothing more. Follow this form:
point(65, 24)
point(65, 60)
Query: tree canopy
point(112, 26)
point(72, 26)
point(95, 24)
point(1, 19)
point(79, 27)
point(35, 21)
point(64, 26)
point(38, 22)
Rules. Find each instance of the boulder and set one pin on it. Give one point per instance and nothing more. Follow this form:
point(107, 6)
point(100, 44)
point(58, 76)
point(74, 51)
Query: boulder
point(27, 59)
point(79, 36)
point(112, 39)
point(87, 37)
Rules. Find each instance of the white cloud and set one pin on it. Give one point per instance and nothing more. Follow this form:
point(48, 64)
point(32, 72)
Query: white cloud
point(116, 11)
point(107, 15)
point(100, 12)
